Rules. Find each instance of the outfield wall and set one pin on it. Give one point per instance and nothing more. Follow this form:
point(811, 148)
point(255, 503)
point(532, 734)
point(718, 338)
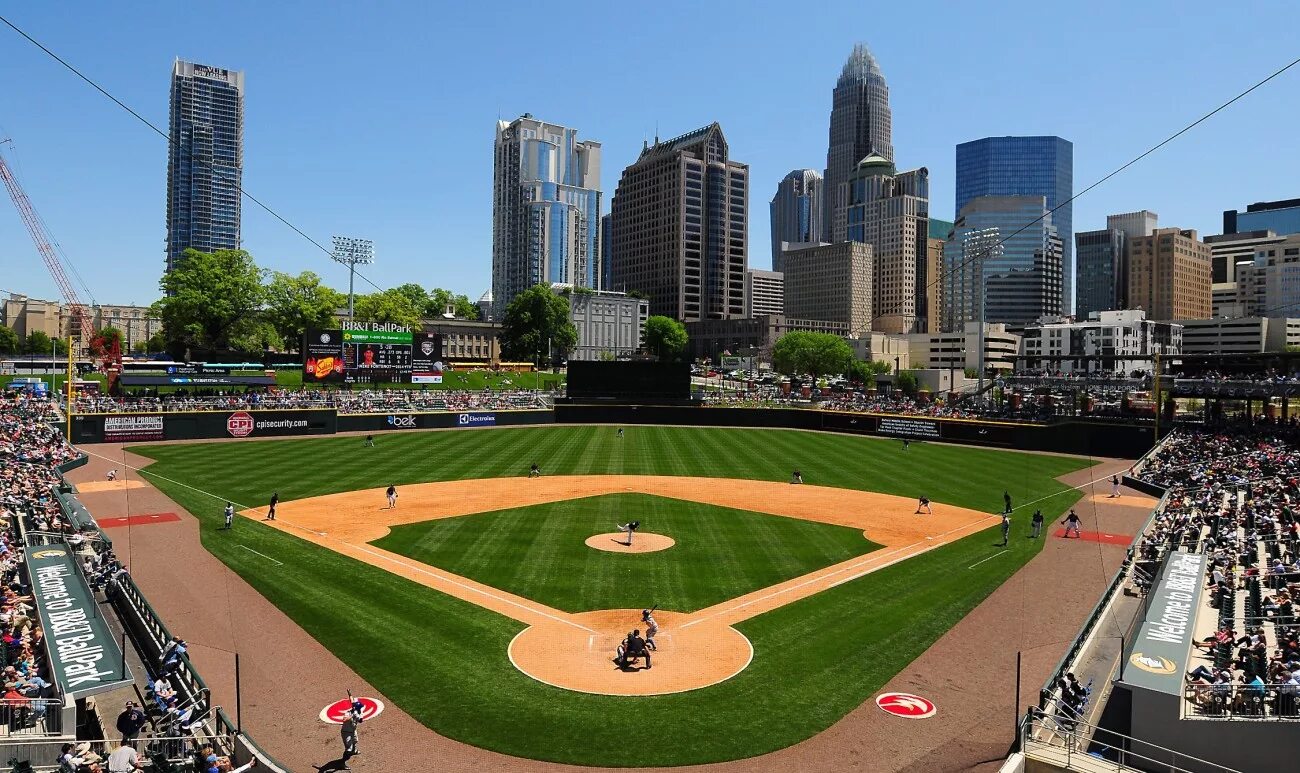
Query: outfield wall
point(1070, 437)
point(1085, 438)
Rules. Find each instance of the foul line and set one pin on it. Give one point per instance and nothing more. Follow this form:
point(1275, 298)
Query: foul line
point(819, 577)
point(982, 560)
point(263, 555)
point(458, 584)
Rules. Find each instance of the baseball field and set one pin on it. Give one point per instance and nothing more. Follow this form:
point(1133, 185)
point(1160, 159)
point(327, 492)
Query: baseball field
point(487, 604)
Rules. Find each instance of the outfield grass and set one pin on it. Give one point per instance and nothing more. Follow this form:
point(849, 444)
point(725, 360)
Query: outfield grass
point(442, 659)
point(539, 552)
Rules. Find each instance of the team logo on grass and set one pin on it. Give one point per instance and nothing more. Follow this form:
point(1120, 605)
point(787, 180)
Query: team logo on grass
point(240, 424)
point(337, 711)
point(1153, 663)
point(906, 705)
point(50, 553)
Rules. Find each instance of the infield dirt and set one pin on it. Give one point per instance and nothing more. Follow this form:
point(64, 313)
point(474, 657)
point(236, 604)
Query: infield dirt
point(575, 651)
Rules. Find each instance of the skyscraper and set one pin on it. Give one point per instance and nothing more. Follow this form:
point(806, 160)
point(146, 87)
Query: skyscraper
point(680, 221)
point(1020, 280)
point(890, 211)
point(1280, 217)
point(1101, 260)
point(1024, 166)
point(861, 125)
point(1169, 275)
point(205, 159)
point(796, 211)
point(545, 209)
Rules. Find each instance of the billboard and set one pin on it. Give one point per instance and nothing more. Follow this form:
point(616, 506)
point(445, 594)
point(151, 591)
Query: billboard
point(379, 353)
point(132, 427)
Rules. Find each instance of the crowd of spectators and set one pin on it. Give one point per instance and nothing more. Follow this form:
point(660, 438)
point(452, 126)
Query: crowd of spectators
point(345, 401)
point(29, 448)
point(1234, 495)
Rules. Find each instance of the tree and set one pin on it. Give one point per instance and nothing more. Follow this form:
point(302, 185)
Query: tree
point(157, 343)
point(865, 372)
point(440, 299)
point(253, 335)
point(390, 306)
point(38, 343)
point(537, 323)
point(9, 343)
point(140, 347)
point(907, 382)
point(811, 353)
point(295, 303)
point(666, 337)
point(420, 300)
point(205, 294)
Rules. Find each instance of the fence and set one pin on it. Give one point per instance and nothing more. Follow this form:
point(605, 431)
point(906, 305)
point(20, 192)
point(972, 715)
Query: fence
point(1045, 738)
point(30, 717)
point(1244, 701)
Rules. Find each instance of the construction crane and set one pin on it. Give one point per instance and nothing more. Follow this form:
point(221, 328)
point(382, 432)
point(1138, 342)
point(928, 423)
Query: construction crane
point(110, 353)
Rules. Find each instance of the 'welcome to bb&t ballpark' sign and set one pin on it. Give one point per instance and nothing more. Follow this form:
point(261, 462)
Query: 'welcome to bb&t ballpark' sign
point(85, 659)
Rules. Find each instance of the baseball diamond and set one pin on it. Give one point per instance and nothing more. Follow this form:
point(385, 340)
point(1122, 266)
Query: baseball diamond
point(477, 600)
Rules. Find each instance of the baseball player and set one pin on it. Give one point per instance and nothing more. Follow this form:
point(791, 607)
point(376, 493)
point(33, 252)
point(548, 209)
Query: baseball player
point(1006, 498)
point(796, 477)
point(392, 496)
point(112, 474)
point(1072, 524)
point(1114, 486)
point(651, 627)
point(230, 515)
point(923, 502)
point(633, 647)
point(534, 471)
point(370, 441)
point(275, 498)
point(629, 527)
point(1006, 527)
point(349, 733)
point(1037, 522)
point(620, 432)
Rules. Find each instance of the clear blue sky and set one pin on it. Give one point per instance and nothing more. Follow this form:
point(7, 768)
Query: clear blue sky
point(376, 119)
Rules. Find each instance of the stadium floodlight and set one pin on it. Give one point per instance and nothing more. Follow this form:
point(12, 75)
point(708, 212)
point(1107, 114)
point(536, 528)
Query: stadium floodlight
point(352, 253)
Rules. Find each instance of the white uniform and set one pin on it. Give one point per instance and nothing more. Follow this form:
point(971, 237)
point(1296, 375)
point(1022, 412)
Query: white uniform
point(627, 527)
point(1114, 486)
point(112, 474)
point(230, 515)
point(651, 628)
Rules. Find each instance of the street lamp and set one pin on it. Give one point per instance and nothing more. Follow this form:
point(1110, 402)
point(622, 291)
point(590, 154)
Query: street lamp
point(352, 253)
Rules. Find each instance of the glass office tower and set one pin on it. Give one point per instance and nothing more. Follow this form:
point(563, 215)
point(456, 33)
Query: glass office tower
point(1024, 166)
point(205, 159)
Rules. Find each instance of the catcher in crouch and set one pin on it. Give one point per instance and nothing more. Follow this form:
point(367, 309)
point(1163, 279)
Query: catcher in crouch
point(632, 648)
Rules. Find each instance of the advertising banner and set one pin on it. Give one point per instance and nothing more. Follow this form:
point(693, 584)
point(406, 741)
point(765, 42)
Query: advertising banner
point(85, 659)
point(133, 427)
point(1158, 655)
point(476, 420)
point(909, 428)
point(426, 358)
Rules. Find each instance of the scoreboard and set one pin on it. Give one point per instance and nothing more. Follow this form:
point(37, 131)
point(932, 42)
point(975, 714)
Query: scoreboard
point(363, 356)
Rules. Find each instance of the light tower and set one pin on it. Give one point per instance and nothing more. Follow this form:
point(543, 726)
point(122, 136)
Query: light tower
point(352, 253)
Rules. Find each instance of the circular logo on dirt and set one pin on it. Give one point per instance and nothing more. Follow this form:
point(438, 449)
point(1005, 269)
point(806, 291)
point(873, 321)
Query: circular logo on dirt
point(240, 424)
point(1153, 663)
point(906, 705)
point(336, 712)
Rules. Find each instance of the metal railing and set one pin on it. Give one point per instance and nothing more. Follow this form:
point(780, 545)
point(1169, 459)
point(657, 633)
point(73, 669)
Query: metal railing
point(1245, 702)
point(1043, 736)
point(30, 717)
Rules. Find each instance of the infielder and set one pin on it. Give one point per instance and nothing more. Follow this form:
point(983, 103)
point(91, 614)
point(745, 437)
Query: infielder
point(534, 471)
point(796, 477)
point(230, 515)
point(1072, 524)
point(628, 528)
point(275, 498)
point(1114, 486)
point(651, 627)
point(923, 502)
point(392, 497)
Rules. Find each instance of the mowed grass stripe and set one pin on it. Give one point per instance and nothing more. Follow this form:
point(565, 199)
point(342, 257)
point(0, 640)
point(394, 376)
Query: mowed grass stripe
point(442, 661)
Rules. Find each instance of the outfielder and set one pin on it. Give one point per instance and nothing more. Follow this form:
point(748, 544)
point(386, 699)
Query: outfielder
point(651, 627)
point(230, 515)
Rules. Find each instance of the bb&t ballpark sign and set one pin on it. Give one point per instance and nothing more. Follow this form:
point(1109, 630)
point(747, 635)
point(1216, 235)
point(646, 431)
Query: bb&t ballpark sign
point(1160, 649)
point(85, 659)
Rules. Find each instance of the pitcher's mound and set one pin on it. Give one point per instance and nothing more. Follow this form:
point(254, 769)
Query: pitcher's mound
point(577, 654)
point(642, 542)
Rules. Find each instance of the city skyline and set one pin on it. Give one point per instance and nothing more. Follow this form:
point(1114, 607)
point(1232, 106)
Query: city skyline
point(382, 180)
